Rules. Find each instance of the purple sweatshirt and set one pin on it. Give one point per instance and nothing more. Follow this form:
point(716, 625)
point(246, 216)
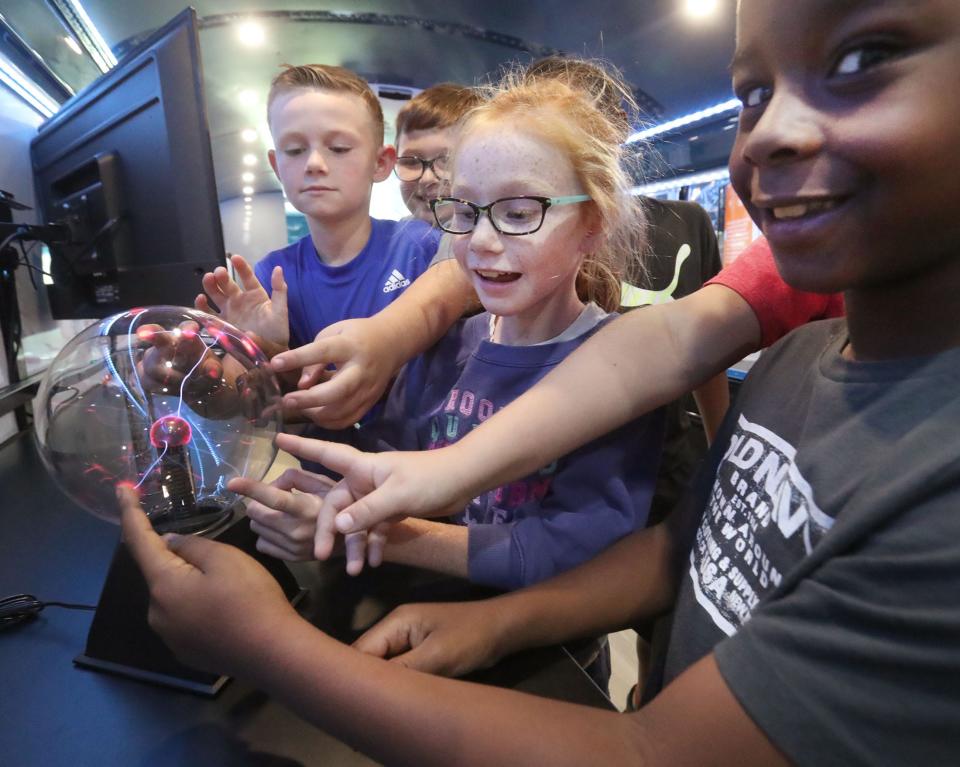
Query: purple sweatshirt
point(553, 519)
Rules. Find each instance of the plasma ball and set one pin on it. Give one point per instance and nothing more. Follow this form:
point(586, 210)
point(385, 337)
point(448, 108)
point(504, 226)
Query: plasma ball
point(170, 431)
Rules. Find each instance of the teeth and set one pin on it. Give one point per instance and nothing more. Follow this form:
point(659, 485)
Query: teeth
point(489, 274)
point(802, 209)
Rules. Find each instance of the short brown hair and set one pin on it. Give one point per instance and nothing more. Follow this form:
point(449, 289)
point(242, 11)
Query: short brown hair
point(437, 107)
point(325, 77)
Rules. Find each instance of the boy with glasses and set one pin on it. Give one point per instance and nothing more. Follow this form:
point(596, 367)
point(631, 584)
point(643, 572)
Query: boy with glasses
point(425, 128)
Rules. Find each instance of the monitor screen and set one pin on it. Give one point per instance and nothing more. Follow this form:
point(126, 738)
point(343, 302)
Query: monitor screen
point(127, 165)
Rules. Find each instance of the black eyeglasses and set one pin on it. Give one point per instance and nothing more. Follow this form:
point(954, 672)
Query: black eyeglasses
point(509, 215)
point(412, 168)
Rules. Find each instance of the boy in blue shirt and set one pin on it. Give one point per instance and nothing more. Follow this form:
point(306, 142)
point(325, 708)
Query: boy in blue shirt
point(327, 127)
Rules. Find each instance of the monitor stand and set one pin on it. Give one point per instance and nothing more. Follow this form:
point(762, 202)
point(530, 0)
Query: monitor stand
point(121, 641)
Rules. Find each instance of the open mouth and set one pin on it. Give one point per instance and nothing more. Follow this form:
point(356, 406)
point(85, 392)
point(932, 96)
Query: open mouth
point(488, 275)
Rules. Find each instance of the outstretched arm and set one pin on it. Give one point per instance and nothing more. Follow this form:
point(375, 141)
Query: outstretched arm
point(217, 608)
point(638, 362)
point(368, 352)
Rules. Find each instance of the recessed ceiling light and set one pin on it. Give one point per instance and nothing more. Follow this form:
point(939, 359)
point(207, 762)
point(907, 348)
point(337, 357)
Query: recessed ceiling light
point(247, 190)
point(249, 135)
point(700, 9)
point(249, 159)
point(248, 199)
point(251, 33)
point(73, 45)
point(248, 97)
point(247, 177)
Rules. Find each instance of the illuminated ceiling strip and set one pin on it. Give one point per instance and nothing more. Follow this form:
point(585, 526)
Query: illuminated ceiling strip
point(720, 174)
point(731, 105)
point(20, 84)
point(88, 34)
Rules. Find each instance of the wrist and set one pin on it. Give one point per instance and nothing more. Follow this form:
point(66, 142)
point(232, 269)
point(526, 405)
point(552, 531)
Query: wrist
point(392, 344)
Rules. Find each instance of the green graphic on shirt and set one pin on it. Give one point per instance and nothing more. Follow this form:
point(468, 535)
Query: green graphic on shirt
point(631, 295)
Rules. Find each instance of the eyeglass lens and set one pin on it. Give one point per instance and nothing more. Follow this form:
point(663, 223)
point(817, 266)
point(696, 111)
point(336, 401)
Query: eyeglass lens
point(511, 216)
point(411, 168)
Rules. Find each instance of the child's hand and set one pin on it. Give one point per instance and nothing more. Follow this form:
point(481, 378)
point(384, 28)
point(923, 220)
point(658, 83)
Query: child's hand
point(449, 639)
point(247, 305)
point(169, 356)
point(365, 362)
point(284, 513)
point(378, 487)
point(284, 516)
point(215, 607)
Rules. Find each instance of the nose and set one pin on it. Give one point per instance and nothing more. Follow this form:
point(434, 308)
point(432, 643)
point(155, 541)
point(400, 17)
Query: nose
point(316, 163)
point(789, 129)
point(484, 238)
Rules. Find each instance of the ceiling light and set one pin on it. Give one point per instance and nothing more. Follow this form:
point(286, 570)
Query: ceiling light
point(26, 89)
point(96, 46)
point(247, 178)
point(730, 105)
point(249, 135)
point(73, 45)
point(248, 97)
point(248, 199)
point(247, 190)
point(249, 159)
point(251, 33)
point(700, 9)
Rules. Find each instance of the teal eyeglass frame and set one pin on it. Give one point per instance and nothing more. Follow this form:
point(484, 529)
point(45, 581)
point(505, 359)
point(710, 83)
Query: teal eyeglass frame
point(478, 210)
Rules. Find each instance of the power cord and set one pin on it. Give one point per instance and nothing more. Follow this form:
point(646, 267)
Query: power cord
point(23, 607)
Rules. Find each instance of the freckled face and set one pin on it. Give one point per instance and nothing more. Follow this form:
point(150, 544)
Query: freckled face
point(529, 280)
point(427, 145)
point(846, 153)
point(325, 157)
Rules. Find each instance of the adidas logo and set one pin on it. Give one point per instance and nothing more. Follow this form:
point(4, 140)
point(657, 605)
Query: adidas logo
point(396, 281)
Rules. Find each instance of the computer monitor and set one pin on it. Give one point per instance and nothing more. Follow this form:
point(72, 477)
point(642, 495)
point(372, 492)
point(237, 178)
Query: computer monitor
point(127, 165)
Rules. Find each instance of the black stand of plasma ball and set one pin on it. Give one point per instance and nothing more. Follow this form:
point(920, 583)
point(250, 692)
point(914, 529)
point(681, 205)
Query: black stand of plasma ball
point(120, 639)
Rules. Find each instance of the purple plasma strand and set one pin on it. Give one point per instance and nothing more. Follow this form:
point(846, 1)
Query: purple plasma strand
point(170, 431)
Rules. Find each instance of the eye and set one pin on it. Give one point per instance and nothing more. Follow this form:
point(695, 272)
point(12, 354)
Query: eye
point(292, 151)
point(863, 57)
point(340, 149)
point(754, 95)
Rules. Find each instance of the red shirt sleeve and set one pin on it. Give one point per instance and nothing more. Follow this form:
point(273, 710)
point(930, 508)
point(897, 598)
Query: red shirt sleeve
point(779, 308)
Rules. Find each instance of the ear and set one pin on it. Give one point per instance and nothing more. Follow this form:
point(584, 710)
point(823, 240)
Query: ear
point(594, 236)
point(272, 158)
point(386, 159)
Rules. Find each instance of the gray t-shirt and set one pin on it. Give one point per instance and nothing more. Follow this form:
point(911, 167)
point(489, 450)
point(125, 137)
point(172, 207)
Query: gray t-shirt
point(824, 569)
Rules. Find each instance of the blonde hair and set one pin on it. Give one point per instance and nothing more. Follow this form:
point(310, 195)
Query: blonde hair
point(325, 77)
point(577, 122)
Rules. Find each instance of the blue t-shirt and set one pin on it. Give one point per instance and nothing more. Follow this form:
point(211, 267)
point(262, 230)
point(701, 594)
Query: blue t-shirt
point(553, 519)
point(319, 295)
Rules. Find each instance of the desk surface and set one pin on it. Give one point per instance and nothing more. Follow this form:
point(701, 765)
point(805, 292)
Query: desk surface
point(53, 713)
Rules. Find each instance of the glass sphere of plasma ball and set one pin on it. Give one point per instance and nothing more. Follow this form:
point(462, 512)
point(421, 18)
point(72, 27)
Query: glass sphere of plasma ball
point(170, 401)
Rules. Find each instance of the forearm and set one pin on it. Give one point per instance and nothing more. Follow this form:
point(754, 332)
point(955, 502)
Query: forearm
point(431, 545)
point(713, 400)
point(399, 716)
point(581, 603)
point(635, 364)
point(425, 311)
